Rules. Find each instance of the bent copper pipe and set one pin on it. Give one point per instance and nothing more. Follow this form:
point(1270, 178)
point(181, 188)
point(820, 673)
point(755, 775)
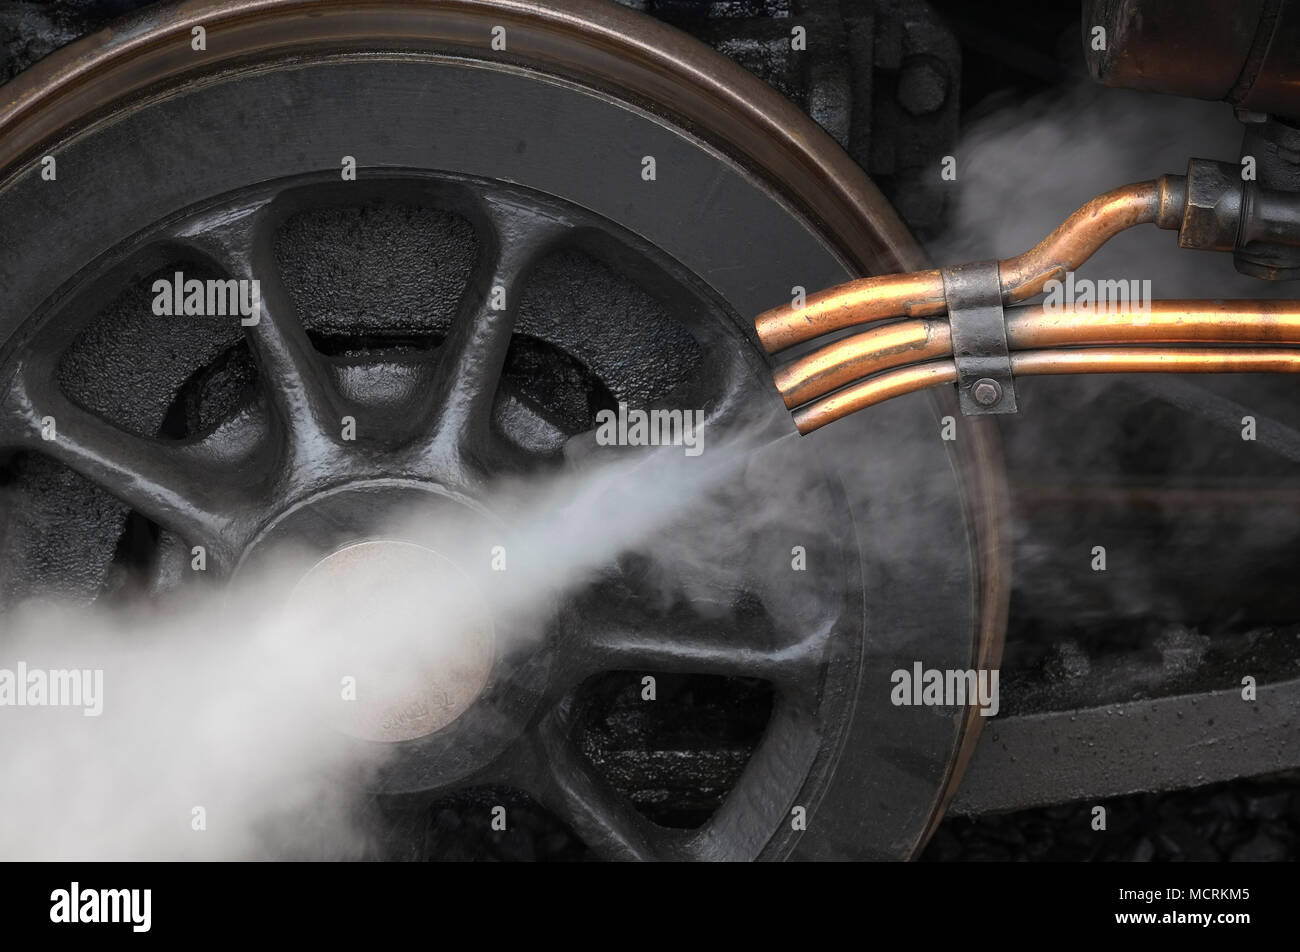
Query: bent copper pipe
point(921, 293)
point(865, 301)
point(1028, 328)
point(869, 352)
point(1101, 360)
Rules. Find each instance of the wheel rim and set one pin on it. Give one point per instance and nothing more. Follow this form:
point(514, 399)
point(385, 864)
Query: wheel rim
point(232, 232)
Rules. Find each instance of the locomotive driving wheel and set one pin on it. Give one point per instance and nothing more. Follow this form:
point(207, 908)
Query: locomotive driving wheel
point(555, 210)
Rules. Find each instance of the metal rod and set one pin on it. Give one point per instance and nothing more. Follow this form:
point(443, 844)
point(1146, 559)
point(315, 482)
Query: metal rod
point(865, 301)
point(1079, 237)
point(1192, 321)
point(920, 293)
point(1098, 360)
point(1029, 328)
point(863, 354)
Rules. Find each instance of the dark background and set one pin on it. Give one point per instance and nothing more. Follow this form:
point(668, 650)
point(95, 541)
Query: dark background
point(981, 60)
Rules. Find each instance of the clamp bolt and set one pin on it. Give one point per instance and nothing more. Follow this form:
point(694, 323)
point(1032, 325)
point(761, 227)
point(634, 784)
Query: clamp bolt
point(986, 392)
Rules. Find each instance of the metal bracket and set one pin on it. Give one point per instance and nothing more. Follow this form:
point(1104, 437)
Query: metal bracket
point(979, 339)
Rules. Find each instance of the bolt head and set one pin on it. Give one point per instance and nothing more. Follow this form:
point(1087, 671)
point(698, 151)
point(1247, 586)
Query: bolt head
point(986, 392)
point(922, 86)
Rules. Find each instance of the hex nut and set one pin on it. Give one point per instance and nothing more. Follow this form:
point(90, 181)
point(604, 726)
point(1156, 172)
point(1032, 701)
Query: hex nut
point(1213, 214)
point(986, 392)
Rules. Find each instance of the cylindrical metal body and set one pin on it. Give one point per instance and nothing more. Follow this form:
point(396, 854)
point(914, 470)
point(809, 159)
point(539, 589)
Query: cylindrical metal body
point(1246, 52)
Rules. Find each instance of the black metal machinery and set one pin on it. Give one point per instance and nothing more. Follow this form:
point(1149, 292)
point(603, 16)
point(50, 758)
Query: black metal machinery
point(885, 79)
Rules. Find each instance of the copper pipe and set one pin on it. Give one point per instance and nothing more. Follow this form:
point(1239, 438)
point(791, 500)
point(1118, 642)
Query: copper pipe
point(1077, 238)
point(873, 390)
point(1157, 360)
point(1028, 328)
point(921, 294)
point(1101, 360)
point(866, 353)
point(1213, 322)
point(915, 294)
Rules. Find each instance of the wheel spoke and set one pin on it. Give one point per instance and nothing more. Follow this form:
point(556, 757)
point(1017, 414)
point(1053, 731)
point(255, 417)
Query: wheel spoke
point(565, 783)
point(473, 357)
point(629, 637)
point(786, 753)
point(742, 410)
point(290, 369)
point(740, 402)
point(153, 478)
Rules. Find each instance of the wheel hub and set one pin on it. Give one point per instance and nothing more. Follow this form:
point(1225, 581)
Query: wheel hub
point(418, 662)
point(399, 613)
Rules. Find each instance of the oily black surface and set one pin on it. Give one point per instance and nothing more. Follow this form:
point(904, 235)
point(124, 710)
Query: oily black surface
point(1019, 47)
point(1242, 821)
